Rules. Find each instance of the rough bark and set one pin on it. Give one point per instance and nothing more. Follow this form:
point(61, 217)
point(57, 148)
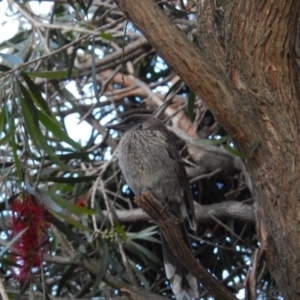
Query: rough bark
point(254, 96)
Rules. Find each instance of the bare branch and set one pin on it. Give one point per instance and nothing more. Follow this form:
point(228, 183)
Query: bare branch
point(205, 214)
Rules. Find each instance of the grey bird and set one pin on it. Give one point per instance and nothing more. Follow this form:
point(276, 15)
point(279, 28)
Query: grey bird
point(149, 160)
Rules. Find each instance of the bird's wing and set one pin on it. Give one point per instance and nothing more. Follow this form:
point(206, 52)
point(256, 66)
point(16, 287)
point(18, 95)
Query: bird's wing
point(183, 178)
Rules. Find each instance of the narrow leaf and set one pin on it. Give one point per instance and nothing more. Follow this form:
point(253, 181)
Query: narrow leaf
point(191, 105)
point(65, 230)
point(22, 291)
point(174, 88)
point(15, 152)
point(2, 119)
point(4, 68)
point(47, 200)
point(82, 6)
point(37, 96)
point(234, 152)
point(6, 138)
point(254, 146)
point(74, 222)
point(104, 264)
point(71, 62)
point(139, 274)
point(72, 4)
point(77, 210)
point(143, 233)
point(32, 125)
point(106, 36)
point(56, 130)
point(51, 74)
point(66, 277)
point(143, 252)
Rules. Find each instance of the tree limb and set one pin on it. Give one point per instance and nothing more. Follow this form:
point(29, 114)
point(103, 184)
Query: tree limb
point(170, 227)
point(205, 214)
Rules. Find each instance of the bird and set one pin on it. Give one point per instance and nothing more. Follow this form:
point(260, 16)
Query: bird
point(150, 161)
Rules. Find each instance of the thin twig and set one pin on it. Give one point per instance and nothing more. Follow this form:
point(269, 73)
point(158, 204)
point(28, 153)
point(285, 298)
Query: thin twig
point(2, 290)
point(208, 175)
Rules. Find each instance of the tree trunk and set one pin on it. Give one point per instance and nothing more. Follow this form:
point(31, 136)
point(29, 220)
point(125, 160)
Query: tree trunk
point(245, 71)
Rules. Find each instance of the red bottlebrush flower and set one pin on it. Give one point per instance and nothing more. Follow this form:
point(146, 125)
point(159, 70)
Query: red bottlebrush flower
point(28, 213)
point(81, 202)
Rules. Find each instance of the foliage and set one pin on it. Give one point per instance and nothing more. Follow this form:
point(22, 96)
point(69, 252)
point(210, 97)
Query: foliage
point(71, 68)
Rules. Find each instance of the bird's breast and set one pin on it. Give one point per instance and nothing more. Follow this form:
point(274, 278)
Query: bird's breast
point(144, 160)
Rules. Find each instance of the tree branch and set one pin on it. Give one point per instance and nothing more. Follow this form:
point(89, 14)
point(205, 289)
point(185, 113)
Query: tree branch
point(205, 214)
point(215, 88)
point(171, 229)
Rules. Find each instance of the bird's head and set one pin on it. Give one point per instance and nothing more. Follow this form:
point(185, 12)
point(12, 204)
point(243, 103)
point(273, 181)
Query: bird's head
point(136, 122)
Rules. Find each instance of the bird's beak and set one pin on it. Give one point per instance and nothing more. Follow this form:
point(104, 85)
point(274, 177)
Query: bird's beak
point(117, 126)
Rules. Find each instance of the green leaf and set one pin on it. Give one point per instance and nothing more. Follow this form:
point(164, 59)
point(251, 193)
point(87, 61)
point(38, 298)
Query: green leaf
point(37, 96)
point(143, 252)
point(22, 291)
point(174, 88)
point(6, 138)
point(2, 119)
point(48, 201)
point(29, 109)
point(120, 231)
point(51, 74)
point(71, 62)
point(89, 4)
point(30, 114)
point(139, 274)
point(214, 142)
point(4, 68)
point(56, 130)
point(145, 234)
point(74, 222)
point(65, 277)
point(75, 209)
point(15, 152)
point(72, 4)
point(191, 105)
point(65, 230)
point(254, 146)
point(106, 36)
point(98, 12)
point(235, 152)
point(82, 6)
point(104, 264)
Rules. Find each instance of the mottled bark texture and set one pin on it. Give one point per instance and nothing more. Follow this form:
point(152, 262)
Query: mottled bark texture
point(245, 71)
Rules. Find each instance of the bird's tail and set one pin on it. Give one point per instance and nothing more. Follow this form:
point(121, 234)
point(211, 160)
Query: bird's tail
point(184, 284)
